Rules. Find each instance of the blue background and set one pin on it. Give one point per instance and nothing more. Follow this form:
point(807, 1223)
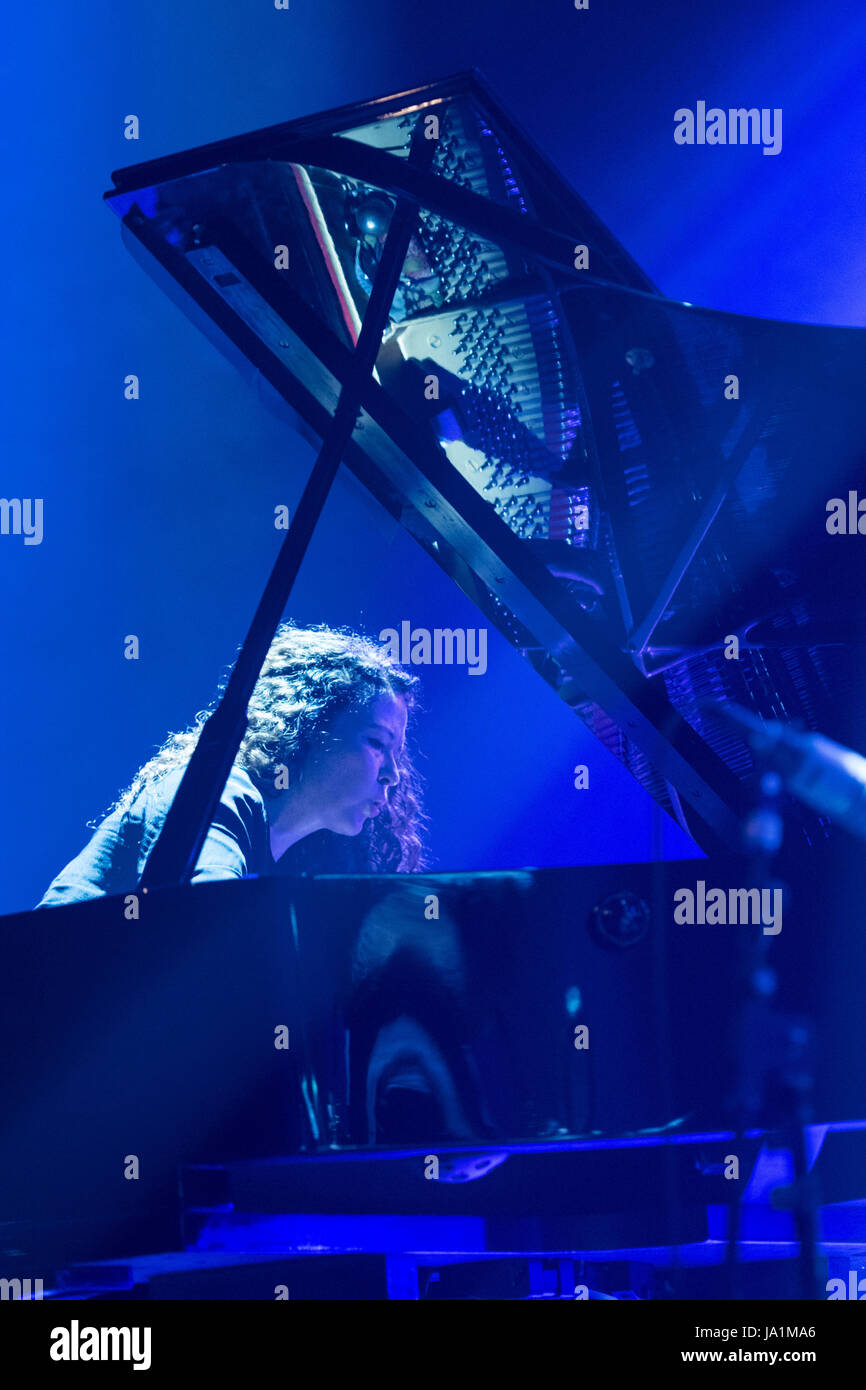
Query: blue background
point(159, 513)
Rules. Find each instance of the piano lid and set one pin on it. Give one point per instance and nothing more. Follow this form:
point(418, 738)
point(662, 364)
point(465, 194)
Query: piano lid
point(622, 483)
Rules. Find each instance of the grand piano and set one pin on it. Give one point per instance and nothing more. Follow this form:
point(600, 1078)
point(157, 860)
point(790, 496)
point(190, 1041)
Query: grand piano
point(534, 1072)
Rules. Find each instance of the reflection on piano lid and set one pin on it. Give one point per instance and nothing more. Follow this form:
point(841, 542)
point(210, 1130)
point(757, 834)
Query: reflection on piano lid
point(620, 482)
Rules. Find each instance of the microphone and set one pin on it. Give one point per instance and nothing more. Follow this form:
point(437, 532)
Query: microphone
point(827, 776)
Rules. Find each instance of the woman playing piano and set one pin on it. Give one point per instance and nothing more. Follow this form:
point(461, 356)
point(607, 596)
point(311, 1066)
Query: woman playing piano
point(322, 781)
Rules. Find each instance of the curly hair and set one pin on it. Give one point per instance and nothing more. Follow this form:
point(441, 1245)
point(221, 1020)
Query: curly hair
point(309, 676)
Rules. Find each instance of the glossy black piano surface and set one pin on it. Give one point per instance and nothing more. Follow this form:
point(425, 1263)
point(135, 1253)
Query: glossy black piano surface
point(537, 1005)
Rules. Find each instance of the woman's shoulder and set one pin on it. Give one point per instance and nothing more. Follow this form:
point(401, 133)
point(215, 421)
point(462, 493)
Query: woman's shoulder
point(240, 783)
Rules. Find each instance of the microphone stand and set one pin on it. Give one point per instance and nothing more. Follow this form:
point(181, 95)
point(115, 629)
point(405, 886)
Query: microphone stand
point(773, 1068)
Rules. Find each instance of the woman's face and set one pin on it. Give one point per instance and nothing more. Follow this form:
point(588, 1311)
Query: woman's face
point(349, 780)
